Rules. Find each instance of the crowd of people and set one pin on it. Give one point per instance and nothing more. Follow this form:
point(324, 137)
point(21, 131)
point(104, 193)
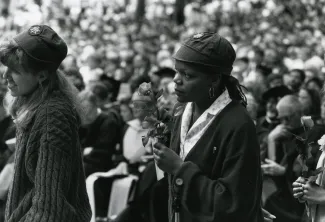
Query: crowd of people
point(115, 46)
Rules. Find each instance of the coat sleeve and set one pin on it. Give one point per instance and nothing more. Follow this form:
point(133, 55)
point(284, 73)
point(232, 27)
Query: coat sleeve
point(54, 169)
point(236, 194)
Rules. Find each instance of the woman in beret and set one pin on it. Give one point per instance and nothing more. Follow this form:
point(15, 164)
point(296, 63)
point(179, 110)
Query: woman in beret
point(48, 182)
point(213, 162)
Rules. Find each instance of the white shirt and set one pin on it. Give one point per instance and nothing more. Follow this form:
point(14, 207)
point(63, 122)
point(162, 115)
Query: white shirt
point(189, 137)
point(132, 140)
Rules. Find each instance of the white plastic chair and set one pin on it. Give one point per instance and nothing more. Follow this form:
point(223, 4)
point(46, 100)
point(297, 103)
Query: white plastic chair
point(120, 191)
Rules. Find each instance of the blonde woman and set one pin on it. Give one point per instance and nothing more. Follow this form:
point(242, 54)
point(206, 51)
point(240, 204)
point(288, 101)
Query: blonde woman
point(48, 182)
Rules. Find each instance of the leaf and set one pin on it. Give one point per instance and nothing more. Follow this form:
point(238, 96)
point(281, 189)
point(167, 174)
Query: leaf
point(311, 162)
point(318, 171)
point(159, 93)
point(301, 147)
point(145, 140)
point(152, 120)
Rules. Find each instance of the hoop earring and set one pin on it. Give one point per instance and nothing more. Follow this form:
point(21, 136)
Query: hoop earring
point(211, 93)
point(40, 85)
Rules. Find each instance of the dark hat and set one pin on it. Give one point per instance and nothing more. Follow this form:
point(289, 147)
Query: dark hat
point(275, 92)
point(165, 72)
point(264, 69)
point(43, 44)
point(272, 77)
point(208, 49)
point(112, 84)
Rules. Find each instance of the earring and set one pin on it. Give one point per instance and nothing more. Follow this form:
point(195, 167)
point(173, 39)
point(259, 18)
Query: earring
point(40, 85)
point(211, 93)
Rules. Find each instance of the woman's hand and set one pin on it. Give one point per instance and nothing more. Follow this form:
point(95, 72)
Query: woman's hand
point(166, 159)
point(313, 193)
point(298, 190)
point(279, 132)
point(273, 168)
point(268, 217)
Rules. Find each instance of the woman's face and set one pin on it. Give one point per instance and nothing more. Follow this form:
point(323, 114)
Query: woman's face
point(20, 83)
point(304, 99)
point(90, 111)
point(126, 112)
point(191, 84)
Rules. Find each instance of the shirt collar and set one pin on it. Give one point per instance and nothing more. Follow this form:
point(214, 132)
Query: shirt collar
point(219, 103)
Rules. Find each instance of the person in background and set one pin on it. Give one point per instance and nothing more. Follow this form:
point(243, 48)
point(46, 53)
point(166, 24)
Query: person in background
point(92, 70)
point(315, 84)
point(126, 110)
point(7, 131)
point(311, 102)
point(99, 132)
point(48, 181)
point(162, 77)
point(127, 158)
point(270, 120)
point(279, 164)
point(296, 80)
point(70, 62)
point(274, 80)
point(74, 76)
point(321, 121)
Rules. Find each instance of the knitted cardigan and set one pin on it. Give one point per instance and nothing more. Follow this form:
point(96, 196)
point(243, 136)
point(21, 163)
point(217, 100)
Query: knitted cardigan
point(49, 182)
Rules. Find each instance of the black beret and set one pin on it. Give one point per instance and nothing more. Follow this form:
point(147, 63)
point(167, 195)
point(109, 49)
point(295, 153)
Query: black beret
point(165, 72)
point(112, 85)
point(43, 44)
point(275, 92)
point(208, 49)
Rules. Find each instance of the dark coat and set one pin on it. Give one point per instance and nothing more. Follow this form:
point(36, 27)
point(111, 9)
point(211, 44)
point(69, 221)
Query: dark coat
point(102, 135)
point(222, 178)
point(49, 182)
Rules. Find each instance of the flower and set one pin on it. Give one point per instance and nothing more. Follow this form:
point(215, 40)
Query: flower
point(321, 142)
point(157, 120)
point(308, 149)
point(307, 121)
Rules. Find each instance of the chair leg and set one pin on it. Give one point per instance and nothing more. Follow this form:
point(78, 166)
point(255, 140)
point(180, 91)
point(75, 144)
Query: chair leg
point(90, 182)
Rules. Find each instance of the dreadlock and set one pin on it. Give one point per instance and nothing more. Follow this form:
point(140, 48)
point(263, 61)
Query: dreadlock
point(235, 89)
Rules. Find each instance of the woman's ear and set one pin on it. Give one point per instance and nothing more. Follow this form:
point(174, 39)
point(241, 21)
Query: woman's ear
point(215, 81)
point(42, 76)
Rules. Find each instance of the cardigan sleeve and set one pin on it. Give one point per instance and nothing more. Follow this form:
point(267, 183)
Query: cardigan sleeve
point(236, 194)
point(53, 168)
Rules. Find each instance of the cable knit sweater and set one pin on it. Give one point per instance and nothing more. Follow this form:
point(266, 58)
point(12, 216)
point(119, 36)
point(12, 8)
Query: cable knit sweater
point(49, 182)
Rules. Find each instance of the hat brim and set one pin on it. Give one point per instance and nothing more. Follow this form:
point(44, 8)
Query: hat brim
point(275, 92)
point(187, 54)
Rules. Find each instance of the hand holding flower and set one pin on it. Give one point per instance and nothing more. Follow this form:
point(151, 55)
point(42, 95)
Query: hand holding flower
point(313, 193)
point(298, 187)
point(166, 159)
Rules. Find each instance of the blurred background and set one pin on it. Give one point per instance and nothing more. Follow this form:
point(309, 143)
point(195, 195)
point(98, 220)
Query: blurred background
point(115, 45)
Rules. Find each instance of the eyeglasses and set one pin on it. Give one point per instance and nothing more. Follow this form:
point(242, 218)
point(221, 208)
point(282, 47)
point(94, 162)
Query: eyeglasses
point(139, 105)
point(286, 118)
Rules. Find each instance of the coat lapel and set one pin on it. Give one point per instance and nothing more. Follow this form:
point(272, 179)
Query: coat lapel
point(205, 141)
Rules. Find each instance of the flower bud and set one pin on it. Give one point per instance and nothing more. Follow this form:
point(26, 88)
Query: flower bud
point(307, 121)
point(321, 141)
